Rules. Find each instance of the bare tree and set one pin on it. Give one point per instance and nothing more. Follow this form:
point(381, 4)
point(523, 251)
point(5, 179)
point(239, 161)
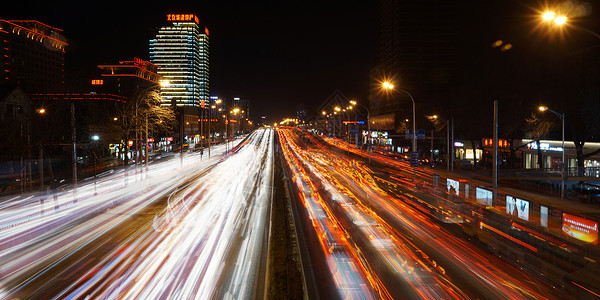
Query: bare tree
point(539, 126)
point(144, 108)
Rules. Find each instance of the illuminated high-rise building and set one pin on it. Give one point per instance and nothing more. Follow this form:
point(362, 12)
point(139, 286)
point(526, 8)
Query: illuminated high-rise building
point(32, 55)
point(181, 52)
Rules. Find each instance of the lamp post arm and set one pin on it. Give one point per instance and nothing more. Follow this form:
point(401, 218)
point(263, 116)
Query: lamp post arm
point(414, 120)
point(590, 32)
point(559, 115)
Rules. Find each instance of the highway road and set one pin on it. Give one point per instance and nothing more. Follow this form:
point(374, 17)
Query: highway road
point(395, 250)
point(190, 229)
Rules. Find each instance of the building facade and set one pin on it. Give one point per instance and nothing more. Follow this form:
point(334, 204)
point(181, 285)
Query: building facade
point(32, 56)
point(127, 77)
point(181, 50)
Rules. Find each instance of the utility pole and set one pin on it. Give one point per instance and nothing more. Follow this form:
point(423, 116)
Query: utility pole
point(201, 131)
point(495, 162)
point(147, 148)
point(74, 138)
point(209, 116)
point(41, 167)
point(181, 138)
point(431, 161)
point(447, 146)
point(452, 147)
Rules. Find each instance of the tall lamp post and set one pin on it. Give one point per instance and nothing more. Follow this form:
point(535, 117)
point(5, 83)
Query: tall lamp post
point(389, 86)
point(368, 123)
point(561, 20)
point(562, 165)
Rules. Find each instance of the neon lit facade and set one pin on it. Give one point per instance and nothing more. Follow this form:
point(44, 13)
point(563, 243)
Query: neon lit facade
point(181, 51)
point(32, 55)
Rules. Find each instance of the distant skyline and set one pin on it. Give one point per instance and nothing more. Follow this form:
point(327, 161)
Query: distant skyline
point(276, 55)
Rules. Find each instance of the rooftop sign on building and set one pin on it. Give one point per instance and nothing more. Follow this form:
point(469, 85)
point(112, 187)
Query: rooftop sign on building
point(183, 18)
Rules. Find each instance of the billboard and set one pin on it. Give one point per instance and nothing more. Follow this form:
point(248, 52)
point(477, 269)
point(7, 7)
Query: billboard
point(544, 216)
point(580, 228)
point(453, 186)
point(523, 209)
point(511, 205)
point(517, 207)
point(483, 196)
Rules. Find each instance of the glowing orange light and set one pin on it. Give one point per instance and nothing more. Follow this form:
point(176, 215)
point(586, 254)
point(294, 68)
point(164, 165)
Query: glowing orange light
point(183, 17)
point(97, 82)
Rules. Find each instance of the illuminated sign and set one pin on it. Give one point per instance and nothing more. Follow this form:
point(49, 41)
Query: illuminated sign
point(501, 143)
point(139, 62)
point(452, 186)
point(544, 216)
point(202, 103)
point(130, 143)
point(580, 228)
point(511, 205)
point(459, 144)
point(517, 207)
point(170, 139)
point(97, 82)
point(182, 18)
point(354, 122)
point(483, 196)
point(544, 146)
point(150, 140)
point(523, 209)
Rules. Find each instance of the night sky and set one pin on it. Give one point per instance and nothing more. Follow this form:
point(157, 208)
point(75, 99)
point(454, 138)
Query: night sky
point(280, 54)
point(276, 55)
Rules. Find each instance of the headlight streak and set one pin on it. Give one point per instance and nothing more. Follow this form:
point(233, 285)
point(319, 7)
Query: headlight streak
point(328, 167)
point(493, 280)
point(352, 276)
point(184, 259)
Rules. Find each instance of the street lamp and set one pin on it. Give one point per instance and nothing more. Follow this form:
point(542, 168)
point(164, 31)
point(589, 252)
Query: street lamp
point(368, 124)
point(414, 155)
point(561, 20)
point(562, 171)
point(433, 120)
point(389, 86)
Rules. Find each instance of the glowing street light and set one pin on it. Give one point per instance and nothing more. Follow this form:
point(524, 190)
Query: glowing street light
point(548, 16)
point(552, 16)
point(560, 20)
point(389, 86)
